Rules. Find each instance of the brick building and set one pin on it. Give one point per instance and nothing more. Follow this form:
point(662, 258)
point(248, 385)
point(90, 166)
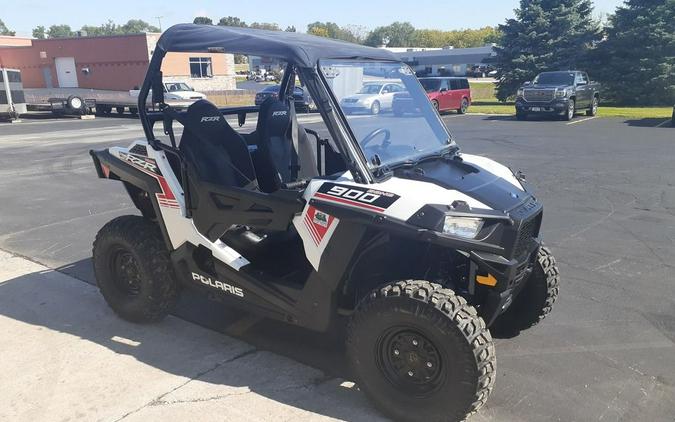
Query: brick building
point(110, 62)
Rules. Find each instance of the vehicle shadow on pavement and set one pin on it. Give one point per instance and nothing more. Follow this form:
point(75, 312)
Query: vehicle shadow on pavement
point(650, 122)
point(315, 384)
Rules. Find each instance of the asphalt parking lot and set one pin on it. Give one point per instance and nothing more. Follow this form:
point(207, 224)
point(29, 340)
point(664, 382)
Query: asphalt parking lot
point(606, 353)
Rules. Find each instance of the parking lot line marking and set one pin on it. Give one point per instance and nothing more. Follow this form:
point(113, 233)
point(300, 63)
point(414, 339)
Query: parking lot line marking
point(582, 120)
point(663, 123)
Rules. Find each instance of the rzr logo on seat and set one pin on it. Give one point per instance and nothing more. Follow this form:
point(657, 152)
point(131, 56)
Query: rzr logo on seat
point(279, 113)
point(210, 119)
point(228, 288)
point(139, 162)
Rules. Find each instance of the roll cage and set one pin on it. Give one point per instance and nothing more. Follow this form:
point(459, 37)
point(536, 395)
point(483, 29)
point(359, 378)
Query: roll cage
point(302, 54)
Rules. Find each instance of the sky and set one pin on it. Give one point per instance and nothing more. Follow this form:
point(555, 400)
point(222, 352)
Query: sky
point(24, 15)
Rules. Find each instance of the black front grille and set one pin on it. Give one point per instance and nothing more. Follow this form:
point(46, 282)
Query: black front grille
point(529, 229)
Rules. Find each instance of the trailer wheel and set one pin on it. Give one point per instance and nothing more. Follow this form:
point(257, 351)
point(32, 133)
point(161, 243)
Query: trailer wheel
point(76, 103)
point(119, 110)
point(421, 353)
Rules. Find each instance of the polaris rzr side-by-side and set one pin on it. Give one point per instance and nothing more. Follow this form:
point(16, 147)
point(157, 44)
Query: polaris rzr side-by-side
point(384, 223)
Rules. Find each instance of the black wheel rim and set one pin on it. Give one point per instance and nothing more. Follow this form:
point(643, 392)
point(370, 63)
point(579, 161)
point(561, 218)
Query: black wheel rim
point(410, 361)
point(125, 271)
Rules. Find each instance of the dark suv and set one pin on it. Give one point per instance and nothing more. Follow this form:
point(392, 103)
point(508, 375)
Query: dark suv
point(558, 93)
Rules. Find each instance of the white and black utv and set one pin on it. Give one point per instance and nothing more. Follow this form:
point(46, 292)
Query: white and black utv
point(384, 223)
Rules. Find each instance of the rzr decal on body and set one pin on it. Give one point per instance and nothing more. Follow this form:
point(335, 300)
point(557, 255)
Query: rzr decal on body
point(370, 199)
point(318, 223)
point(141, 162)
point(165, 198)
point(227, 288)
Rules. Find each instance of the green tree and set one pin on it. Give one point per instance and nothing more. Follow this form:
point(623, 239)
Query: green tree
point(232, 21)
point(290, 28)
point(397, 34)
point(202, 20)
point(4, 30)
point(332, 30)
point(265, 25)
point(108, 28)
point(40, 32)
point(60, 31)
point(462, 38)
point(636, 61)
point(137, 26)
point(545, 35)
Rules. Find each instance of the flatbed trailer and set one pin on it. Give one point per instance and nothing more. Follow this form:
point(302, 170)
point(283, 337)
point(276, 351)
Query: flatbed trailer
point(79, 101)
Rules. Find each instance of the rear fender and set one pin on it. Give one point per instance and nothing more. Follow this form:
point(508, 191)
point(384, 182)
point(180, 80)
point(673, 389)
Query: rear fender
point(140, 185)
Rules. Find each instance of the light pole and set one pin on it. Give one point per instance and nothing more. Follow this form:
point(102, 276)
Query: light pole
point(159, 20)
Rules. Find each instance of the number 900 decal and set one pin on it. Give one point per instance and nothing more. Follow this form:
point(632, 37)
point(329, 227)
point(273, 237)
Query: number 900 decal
point(370, 199)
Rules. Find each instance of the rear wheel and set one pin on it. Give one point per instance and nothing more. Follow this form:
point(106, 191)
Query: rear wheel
point(536, 299)
point(464, 106)
point(133, 269)
point(421, 353)
point(593, 110)
point(436, 106)
point(375, 108)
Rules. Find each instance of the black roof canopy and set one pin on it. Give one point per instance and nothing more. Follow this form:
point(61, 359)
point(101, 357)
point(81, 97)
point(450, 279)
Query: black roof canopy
point(300, 49)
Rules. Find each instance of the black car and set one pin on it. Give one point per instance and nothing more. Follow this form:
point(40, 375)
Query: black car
point(302, 100)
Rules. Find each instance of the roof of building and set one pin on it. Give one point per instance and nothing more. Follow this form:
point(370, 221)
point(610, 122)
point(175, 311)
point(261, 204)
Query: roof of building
point(300, 49)
point(448, 55)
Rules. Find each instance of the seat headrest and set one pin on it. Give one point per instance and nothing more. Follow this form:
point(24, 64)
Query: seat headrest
point(203, 112)
point(274, 117)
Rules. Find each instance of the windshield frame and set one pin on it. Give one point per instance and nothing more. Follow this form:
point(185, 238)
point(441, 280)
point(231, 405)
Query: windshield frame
point(378, 172)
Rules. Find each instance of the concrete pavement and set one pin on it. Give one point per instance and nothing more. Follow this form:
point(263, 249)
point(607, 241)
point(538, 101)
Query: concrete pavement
point(65, 356)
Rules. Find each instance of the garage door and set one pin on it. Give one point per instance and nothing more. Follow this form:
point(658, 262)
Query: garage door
point(66, 72)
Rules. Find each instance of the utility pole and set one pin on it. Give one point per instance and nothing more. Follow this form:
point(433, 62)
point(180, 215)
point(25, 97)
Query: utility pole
point(159, 20)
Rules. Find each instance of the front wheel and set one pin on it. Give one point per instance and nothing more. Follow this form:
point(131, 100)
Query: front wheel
point(535, 300)
point(375, 108)
point(421, 353)
point(133, 269)
point(569, 113)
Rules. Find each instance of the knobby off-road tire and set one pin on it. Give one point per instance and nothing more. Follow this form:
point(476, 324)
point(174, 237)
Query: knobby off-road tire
point(421, 353)
point(133, 269)
point(536, 299)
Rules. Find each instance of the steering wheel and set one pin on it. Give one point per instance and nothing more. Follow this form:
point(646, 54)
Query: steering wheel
point(375, 133)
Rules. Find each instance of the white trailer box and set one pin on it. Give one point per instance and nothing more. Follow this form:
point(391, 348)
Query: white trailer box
point(12, 98)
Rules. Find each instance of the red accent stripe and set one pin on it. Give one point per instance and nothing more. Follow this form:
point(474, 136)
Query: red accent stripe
point(312, 230)
point(309, 228)
point(348, 201)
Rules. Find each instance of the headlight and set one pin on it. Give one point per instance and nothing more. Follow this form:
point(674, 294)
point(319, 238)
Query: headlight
point(561, 93)
point(467, 227)
point(520, 92)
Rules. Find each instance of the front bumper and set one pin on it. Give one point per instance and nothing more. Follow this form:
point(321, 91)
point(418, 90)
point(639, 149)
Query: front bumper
point(557, 106)
point(511, 276)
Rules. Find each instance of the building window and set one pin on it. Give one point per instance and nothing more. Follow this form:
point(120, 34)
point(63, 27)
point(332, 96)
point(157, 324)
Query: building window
point(200, 67)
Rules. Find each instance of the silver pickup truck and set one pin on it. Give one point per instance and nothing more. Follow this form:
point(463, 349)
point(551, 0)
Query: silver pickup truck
point(558, 93)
